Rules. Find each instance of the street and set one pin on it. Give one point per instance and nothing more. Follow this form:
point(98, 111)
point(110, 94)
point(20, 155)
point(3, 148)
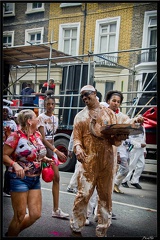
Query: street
point(136, 212)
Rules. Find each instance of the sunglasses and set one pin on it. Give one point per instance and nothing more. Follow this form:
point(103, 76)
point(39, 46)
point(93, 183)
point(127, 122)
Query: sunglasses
point(86, 94)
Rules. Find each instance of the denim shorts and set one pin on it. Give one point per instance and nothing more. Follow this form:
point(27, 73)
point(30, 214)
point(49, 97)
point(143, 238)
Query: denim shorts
point(23, 185)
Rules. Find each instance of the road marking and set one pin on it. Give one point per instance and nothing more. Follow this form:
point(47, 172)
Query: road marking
point(120, 203)
point(130, 205)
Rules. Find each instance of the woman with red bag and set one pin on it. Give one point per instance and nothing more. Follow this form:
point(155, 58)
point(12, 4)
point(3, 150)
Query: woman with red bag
point(23, 152)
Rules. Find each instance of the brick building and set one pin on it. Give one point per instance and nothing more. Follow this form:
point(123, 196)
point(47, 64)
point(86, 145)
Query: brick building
point(82, 28)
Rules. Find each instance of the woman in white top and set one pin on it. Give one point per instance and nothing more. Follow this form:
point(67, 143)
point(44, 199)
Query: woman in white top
point(48, 124)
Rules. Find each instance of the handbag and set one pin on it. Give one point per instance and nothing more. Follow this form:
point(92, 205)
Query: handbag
point(47, 173)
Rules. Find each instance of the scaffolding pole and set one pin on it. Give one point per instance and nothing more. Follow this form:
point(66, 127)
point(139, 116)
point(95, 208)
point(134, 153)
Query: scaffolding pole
point(88, 55)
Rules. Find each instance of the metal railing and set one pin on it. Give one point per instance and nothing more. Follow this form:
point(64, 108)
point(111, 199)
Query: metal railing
point(147, 56)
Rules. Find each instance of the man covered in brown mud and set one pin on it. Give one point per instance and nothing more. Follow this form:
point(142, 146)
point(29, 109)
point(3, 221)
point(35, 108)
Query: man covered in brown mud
point(94, 150)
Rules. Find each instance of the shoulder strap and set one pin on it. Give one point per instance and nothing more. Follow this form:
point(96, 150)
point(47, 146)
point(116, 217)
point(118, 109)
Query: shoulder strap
point(53, 128)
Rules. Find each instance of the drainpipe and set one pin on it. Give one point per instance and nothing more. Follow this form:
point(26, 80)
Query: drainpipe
point(84, 28)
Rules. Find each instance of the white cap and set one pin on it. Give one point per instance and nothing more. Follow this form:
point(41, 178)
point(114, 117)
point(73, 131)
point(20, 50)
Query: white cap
point(88, 88)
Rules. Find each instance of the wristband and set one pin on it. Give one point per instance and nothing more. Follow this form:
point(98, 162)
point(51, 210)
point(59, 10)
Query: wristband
point(11, 164)
point(55, 150)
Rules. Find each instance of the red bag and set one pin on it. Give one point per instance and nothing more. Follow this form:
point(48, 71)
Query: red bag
point(151, 113)
point(150, 118)
point(47, 174)
point(148, 123)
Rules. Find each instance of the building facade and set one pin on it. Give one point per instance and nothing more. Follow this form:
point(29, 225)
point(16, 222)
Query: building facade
point(103, 34)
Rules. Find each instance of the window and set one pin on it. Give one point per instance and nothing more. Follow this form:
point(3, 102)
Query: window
point(70, 4)
point(69, 35)
point(35, 7)
point(34, 36)
point(8, 9)
point(106, 38)
point(109, 86)
point(8, 39)
point(149, 37)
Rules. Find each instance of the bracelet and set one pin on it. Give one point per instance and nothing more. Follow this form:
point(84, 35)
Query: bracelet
point(55, 150)
point(12, 163)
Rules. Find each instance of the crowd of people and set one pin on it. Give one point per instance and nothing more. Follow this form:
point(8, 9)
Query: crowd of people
point(104, 162)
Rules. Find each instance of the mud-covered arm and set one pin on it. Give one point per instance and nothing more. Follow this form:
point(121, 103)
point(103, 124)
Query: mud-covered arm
point(77, 138)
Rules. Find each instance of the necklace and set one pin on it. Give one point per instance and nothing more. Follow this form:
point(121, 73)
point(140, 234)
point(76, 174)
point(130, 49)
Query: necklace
point(94, 113)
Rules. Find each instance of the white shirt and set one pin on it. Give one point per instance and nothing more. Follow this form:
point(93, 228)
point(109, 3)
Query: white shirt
point(139, 139)
point(50, 125)
point(123, 149)
point(104, 104)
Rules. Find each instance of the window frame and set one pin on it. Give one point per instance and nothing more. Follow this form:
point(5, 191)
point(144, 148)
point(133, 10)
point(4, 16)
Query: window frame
point(9, 14)
point(147, 34)
point(99, 24)
point(34, 10)
point(147, 16)
point(69, 26)
point(6, 34)
point(63, 5)
point(34, 31)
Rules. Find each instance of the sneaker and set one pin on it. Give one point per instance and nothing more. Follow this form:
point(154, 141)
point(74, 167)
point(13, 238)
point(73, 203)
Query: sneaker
point(114, 216)
point(72, 190)
point(87, 222)
point(59, 214)
point(5, 194)
point(116, 189)
point(125, 184)
point(136, 185)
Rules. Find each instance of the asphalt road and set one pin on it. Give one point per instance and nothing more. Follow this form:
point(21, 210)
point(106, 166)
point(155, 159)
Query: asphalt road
point(136, 212)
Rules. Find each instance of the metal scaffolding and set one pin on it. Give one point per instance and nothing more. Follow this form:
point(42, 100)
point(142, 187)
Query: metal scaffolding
point(27, 57)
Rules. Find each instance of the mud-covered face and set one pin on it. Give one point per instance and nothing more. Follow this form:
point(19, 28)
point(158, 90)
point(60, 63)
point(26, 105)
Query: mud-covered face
point(114, 102)
point(88, 97)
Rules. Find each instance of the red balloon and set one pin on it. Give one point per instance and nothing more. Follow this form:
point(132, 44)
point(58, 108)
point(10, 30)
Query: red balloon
point(47, 174)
